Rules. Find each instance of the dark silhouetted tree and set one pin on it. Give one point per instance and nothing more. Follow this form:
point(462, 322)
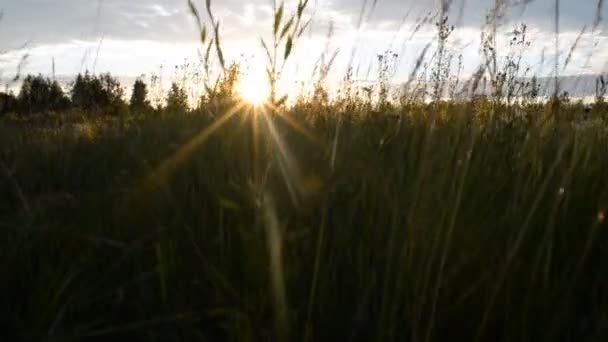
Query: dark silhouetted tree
point(8, 103)
point(38, 94)
point(98, 93)
point(601, 88)
point(59, 99)
point(85, 90)
point(177, 99)
point(139, 97)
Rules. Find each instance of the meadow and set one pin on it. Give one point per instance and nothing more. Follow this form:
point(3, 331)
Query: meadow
point(323, 219)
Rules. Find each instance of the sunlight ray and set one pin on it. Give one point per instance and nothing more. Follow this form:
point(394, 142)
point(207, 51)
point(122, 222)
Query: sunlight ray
point(257, 162)
point(287, 164)
point(274, 242)
point(172, 163)
point(315, 139)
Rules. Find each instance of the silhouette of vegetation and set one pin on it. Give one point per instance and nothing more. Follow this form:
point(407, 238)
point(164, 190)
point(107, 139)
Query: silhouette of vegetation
point(177, 99)
point(139, 102)
point(451, 208)
point(223, 95)
point(101, 94)
point(41, 95)
point(8, 103)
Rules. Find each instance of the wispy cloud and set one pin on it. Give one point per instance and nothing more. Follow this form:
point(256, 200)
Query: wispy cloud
point(140, 34)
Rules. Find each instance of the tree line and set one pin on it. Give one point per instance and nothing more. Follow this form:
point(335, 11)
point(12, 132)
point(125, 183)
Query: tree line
point(88, 92)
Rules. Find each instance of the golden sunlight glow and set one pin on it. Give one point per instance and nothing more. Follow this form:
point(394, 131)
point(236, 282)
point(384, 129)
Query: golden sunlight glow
point(253, 88)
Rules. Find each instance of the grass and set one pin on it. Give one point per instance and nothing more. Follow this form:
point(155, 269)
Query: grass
point(357, 218)
point(482, 229)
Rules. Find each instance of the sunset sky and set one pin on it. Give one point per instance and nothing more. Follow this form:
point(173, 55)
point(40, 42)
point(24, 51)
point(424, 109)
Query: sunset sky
point(134, 37)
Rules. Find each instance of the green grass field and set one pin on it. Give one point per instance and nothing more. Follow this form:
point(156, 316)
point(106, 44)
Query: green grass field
point(306, 224)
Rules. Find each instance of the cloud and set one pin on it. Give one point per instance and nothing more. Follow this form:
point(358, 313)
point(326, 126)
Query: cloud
point(50, 21)
point(71, 30)
point(472, 13)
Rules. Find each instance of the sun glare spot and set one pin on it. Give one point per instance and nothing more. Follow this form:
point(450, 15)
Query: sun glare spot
point(253, 88)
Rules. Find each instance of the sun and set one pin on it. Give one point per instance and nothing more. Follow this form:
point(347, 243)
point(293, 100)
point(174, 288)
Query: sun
point(253, 88)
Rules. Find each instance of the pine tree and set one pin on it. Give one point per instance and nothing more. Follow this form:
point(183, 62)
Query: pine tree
point(98, 93)
point(8, 103)
point(38, 94)
point(139, 97)
point(177, 99)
